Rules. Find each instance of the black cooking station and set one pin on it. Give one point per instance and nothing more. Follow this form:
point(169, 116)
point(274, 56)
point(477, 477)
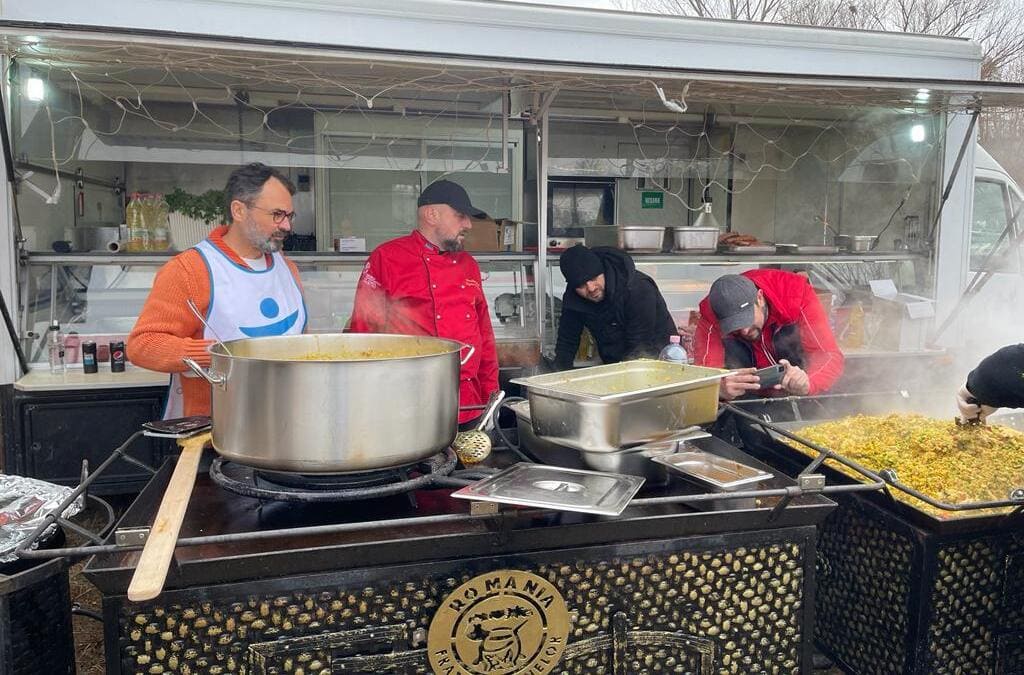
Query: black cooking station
point(718, 586)
point(900, 590)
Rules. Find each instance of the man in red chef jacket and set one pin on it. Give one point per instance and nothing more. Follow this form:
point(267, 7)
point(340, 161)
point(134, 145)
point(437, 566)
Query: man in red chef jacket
point(425, 284)
point(761, 317)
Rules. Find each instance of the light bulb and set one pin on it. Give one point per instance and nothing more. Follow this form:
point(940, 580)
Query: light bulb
point(35, 90)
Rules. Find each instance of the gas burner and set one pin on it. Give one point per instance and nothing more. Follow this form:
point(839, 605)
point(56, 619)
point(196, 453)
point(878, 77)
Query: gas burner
point(339, 487)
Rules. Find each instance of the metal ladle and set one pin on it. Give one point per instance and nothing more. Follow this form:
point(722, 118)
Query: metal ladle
point(475, 445)
point(202, 320)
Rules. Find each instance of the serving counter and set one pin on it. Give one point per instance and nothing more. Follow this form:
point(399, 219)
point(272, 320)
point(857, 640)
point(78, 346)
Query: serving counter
point(726, 587)
point(58, 423)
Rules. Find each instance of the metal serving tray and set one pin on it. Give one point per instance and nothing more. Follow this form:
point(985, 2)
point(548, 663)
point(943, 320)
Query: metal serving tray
point(766, 249)
point(710, 469)
point(806, 249)
point(552, 487)
point(607, 408)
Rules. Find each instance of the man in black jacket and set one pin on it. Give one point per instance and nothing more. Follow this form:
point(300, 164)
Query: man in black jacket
point(997, 382)
point(621, 307)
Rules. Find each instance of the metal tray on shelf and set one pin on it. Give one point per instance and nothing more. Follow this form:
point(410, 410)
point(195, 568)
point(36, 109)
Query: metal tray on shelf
point(761, 249)
point(806, 249)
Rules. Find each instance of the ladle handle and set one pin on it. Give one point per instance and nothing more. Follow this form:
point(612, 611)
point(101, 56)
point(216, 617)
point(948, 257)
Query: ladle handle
point(202, 320)
point(468, 356)
point(210, 376)
point(492, 405)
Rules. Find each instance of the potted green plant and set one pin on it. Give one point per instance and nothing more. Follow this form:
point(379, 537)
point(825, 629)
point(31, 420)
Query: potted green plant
point(193, 216)
point(207, 207)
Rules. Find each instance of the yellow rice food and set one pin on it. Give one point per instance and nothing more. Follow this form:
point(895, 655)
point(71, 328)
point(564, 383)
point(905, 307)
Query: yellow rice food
point(947, 462)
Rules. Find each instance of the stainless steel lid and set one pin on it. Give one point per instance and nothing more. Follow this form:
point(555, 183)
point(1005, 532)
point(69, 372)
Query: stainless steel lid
point(552, 487)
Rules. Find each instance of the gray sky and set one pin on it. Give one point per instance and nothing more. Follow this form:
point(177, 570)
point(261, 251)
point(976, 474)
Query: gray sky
point(599, 4)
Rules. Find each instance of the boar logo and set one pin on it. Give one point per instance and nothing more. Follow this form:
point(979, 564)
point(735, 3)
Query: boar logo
point(501, 623)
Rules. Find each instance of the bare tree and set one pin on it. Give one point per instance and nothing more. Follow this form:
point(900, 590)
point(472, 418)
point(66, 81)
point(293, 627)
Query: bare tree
point(743, 10)
point(997, 24)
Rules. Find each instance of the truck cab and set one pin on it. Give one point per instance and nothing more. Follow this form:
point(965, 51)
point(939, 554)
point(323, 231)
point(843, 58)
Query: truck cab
point(991, 319)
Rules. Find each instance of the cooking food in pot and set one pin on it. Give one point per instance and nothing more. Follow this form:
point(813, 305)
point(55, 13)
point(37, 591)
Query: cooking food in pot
point(280, 403)
point(945, 461)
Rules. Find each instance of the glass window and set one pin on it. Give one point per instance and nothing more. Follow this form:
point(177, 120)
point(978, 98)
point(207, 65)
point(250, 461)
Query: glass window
point(990, 221)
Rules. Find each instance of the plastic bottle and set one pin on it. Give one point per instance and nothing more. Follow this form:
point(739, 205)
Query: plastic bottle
point(55, 347)
point(158, 234)
point(138, 236)
point(673, 352)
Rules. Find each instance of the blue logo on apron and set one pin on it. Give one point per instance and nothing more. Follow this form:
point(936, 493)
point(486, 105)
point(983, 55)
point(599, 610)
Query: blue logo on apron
point(270, 309)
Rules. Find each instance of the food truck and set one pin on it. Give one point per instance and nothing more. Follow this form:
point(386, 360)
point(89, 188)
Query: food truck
point(701, 147)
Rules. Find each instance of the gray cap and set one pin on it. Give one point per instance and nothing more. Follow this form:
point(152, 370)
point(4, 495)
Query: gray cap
point(732, 299)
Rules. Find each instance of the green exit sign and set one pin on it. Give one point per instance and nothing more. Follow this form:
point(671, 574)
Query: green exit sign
point(652, 200)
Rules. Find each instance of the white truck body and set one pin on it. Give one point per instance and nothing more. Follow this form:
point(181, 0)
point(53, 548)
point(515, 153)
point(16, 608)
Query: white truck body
point(536, 40)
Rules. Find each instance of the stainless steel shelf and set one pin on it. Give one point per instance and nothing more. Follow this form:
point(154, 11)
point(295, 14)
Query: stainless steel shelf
point(299, 257)
point(770, 258)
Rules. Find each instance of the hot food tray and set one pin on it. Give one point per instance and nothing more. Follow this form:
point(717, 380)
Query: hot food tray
point(552, 487)
point(610, 407)
point(710, 469)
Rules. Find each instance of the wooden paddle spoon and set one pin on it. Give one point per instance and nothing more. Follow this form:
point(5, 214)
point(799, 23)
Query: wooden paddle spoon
point(151, 571)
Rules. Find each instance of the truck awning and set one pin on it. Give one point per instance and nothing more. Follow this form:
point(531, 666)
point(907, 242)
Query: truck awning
point(130, 61)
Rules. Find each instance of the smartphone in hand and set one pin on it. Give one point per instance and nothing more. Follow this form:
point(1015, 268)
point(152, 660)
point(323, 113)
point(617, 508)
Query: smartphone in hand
point(771, 376)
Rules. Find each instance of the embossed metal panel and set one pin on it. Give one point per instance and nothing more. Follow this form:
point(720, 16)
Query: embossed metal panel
point(733, 603)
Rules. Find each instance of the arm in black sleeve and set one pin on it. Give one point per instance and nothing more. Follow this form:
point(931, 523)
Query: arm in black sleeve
point(642, 323)
point(570, 328)
point(998, 381)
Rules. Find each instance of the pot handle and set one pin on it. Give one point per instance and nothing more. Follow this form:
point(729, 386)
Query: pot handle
point(210, 376)
point(468, 356)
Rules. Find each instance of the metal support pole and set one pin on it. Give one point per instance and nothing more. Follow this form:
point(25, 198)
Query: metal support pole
point(540, 274)
point(968, 139)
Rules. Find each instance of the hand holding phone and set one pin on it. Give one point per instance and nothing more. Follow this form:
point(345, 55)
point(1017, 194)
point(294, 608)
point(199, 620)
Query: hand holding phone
point(771, 376)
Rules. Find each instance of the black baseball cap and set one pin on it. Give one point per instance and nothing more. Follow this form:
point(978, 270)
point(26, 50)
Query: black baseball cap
point(452, 194)
point(732, 299)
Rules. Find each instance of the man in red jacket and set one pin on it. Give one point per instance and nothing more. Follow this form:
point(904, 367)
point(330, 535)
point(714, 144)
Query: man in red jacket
point(425, 284)
point(762, 317)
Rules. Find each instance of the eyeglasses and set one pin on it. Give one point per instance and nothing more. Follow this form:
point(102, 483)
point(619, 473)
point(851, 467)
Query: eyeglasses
point(278, 215)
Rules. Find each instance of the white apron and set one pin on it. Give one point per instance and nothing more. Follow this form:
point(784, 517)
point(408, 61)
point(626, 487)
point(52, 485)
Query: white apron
point(244, 303)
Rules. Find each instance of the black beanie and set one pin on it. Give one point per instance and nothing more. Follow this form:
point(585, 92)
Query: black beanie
point(579, 265)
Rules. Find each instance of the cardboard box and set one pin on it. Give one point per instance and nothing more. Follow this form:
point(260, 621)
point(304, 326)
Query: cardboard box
point(491, 236)
point(898, 321)
point(483, 238)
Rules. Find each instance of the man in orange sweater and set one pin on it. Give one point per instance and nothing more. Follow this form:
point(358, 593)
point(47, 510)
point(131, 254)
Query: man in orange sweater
point(237, 278)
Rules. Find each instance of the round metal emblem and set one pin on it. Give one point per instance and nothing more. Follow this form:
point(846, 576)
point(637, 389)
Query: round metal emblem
point(500, 623)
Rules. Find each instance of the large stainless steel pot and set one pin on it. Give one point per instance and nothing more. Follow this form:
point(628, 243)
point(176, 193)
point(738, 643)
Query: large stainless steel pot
point(334, 403)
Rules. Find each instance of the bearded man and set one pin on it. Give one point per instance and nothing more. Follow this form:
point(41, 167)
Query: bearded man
point(237, 278)
point(425, 284)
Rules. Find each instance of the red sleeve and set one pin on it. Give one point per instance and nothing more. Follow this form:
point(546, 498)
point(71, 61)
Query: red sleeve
point(370, 308)
point(707, 341)
point(824, 359)
point(488, 370)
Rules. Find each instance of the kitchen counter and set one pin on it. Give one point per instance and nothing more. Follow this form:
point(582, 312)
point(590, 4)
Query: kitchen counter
point(703, 588)
point(74, 379)
point(213, 510)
